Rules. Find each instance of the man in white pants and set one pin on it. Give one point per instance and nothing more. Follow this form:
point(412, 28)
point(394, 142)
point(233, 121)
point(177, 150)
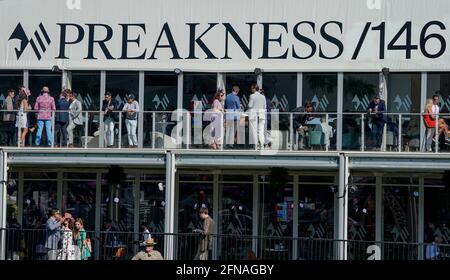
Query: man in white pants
point(257, 115)
point(75, 116)
point(108, 107)
point(131, 109)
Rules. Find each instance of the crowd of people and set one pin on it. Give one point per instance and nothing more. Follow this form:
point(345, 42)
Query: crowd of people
point(226, 117)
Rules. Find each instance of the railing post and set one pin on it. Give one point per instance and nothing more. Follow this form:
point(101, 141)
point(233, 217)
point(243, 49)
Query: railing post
point(169, 220)
point(399, 133)
point(52, 137)
point(363, 128)
point(86, 124)
point(291, 131)
point(19, 131)
point(3, 194)
point(436, 135)
point(153, 129)
point(120, 130)
point(188, 130)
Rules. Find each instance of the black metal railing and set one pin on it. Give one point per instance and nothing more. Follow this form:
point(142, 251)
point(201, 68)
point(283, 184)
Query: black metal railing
point(33, 244)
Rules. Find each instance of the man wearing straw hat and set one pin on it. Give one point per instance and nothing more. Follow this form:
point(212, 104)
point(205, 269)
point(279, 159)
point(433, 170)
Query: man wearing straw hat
point(148, 253)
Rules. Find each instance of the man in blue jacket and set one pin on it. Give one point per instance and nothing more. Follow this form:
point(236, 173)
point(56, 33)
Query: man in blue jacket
point(377, 110)
point(232, 107)
point(53, 230)
point(61, 120)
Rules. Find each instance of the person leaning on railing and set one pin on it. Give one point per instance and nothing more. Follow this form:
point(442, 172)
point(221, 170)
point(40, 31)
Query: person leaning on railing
point(9, 117)
point(109, 105)
point(61, 119)
point(429, 118)
point(300, 121)
point(377, 110)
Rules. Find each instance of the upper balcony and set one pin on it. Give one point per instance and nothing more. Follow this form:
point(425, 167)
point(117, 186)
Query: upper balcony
point(250, 131)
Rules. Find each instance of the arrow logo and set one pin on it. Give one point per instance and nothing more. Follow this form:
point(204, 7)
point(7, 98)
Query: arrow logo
point(39, 37)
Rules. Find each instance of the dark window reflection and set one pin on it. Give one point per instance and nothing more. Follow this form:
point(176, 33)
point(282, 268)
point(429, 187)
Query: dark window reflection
point(281, 89)
point(121, 84)
point(439, 83)
point(198, 87)
point(160, 91)
point(9, 80)
point(404, 93)
point(38, 79)
point(39, 197)
point(87, 86)
point(321, 91)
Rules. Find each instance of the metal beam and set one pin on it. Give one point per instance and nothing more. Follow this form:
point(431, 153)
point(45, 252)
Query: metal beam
point(169, 220)
point(340, 110)
point(342, 207)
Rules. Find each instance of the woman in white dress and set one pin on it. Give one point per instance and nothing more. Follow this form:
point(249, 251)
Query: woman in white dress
point(22, 119)
point(67, 251)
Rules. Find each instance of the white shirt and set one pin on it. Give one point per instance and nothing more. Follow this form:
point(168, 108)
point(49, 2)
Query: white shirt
point(257, 105)
point(435, 109)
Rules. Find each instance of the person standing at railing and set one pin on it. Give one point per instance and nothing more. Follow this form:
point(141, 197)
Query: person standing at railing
point(217, 120)
point(377, 110)
point(53, 230)
point(432, 250)
point(9, 117)
point(232, 107)
point(75, 116)
point(22, 117)
point(206, 239)
point(108, 107)
point(67, 250)
point(61, 119)
point(300, 123)
point(131, 109)
point(257, 116)
point(45, 105)
point(429, 117)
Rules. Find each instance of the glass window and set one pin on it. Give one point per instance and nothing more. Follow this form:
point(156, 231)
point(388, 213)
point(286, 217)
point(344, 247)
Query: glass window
point(401, 206)
point(87, 86)
point(316, 221)
point(404, 93)
point(359, 89)
point(321, 90)
point(276, 204)
point(151, 206)
point(439, 83)
point(198, 87)
point(9, 80)
point(12, 210)
point(121, 84)
point(39, 79)
point(160, 91)
point(281, 89)
point(244, 81)
point(437, 210)
point(39, 197)
point(235, 217)
point(79, 200)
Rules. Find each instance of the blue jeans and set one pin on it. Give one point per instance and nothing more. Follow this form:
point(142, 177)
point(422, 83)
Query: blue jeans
point(377, 133)
point(48, 131)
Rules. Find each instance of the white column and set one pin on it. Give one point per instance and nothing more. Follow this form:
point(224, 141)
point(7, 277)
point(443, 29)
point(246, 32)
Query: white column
point(137, 195)
point(3, 194)
point(259, 80)
point(423, 99)
point(340, 108)
point(221, 81)
point(141, 115)
point(169, 220)
point(180, 91)
point(26, 78)
point(20, 198)
point(299, 89)
point(343, 207)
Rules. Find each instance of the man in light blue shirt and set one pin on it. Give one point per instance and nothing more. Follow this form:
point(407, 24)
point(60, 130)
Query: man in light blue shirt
point(433, 252)
point(232, 108)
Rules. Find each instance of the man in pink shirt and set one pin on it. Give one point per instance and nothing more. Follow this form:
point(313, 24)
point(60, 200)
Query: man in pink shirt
point(45, 105)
